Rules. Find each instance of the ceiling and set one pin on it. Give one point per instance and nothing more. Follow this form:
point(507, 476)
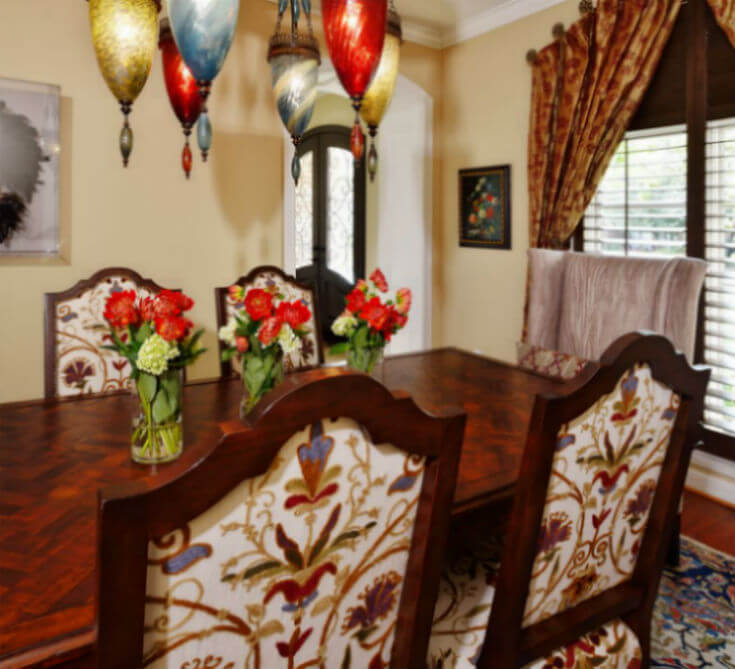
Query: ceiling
point(441, 23)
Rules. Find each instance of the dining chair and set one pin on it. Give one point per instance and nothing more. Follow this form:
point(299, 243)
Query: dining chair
point(312, 537)
point(276, 281)
point(601, 476)
point(75, 332)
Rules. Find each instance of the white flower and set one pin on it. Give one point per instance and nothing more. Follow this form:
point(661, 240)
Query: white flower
point(287, 340)
point(344, 325)
point(227, 332)
point(154, 355)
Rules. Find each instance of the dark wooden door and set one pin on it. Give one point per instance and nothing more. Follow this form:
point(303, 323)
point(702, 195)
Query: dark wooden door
point(330, 220)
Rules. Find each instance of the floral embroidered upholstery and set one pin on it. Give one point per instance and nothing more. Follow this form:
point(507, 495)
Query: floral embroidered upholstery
point(82, 366)
point(309, 355)
point(302, 566)
point(604, 476)
point(613, 646)
point(549, 363)
point(461, 616)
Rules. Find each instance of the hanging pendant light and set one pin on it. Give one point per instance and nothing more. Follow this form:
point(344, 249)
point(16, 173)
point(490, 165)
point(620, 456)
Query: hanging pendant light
point(124, 36)
point(294, 59)
point(378, 96)
point(355, 32)
point(182, 88)
point(203, 30)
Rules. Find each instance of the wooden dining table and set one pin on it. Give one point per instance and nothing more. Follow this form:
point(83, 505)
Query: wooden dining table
point(56, 454)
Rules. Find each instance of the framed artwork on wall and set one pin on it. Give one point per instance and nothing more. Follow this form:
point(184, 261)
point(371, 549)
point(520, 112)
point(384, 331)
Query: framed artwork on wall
point(484, 207)
point(29, 169)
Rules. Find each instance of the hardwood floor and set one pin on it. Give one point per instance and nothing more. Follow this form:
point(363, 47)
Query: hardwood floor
point(709, 522)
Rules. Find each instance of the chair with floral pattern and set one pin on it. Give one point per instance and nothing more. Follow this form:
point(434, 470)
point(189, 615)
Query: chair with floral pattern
point(75, 331)
point(303, 541)
point(601, 476)
point(275, 280)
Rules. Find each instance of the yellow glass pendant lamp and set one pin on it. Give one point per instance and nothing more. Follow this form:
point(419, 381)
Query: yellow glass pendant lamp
point(380, 93)
point(125, 38)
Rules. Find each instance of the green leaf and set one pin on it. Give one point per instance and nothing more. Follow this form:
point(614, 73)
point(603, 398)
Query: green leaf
point(147, 386)
point(340, 348)
point(171, 383)
point(260, 568)
point(144, 331)
point(163, 407)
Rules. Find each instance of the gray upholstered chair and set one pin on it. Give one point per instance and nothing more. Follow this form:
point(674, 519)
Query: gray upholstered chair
point(579, 303)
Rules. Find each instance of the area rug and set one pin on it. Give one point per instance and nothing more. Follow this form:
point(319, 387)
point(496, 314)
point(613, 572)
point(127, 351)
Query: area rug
point(694, 620)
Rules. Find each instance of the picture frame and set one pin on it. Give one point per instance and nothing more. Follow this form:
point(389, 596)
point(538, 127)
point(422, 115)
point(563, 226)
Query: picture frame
point(484, 207)
point(30, 170)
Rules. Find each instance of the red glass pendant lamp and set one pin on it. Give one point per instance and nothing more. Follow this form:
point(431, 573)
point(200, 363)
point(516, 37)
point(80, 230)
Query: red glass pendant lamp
point(183, 90)
point(355, 31)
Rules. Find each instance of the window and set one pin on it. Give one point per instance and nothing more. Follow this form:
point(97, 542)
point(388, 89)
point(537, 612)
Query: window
point(640, 210)
point(719, 292)
point(640, 206)
point(329, 220)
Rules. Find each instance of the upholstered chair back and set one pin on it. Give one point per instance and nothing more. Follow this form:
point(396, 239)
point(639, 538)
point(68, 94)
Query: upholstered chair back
point(316, 560)
point(604, 476)
point(601, 476)
point(76, 362)
point(579, 303)
point(277, 282)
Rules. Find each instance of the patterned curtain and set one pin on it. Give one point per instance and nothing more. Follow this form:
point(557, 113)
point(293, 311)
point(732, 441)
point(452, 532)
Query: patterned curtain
point(724, 11)
point(586, 87)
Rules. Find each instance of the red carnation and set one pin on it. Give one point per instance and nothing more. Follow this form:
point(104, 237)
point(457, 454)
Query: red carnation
point(173, 328)
point(356, 300)
point(148, 309)
point(269, 330)
point(242, 344)
point(378, 278)
point(403, 301)
point(120, 310)
point(258, 304)
point(375, 313)
point(172, 303)
point(294, 313)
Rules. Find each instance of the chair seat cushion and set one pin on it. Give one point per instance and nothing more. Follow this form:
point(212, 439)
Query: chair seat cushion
point(462, 612)
point(550, 363)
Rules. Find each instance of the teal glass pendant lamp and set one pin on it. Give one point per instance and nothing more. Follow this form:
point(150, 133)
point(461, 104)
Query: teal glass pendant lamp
point(294, 59)
point(204, 30)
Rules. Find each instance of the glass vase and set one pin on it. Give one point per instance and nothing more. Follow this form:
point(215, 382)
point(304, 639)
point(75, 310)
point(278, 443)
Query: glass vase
point(365, 358)
point(261, 372)
point(157, 427)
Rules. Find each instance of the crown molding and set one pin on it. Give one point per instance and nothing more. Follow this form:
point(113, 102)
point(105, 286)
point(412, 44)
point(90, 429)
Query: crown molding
point(468, 27)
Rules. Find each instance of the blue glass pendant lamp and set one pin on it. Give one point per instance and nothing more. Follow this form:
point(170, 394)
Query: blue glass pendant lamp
point(204, 30)
point(294, 59)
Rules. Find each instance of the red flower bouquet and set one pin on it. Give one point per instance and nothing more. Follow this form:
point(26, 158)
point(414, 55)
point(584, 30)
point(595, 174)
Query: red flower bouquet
point(370, 320)
point(265, 328)
point(153, 334)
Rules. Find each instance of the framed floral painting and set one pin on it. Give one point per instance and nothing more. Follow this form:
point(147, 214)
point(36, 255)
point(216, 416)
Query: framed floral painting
point(484, 207)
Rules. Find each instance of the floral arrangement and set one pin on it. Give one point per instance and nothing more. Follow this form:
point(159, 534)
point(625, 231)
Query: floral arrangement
point(370, 321)
point(153, 334)
point(265, 328)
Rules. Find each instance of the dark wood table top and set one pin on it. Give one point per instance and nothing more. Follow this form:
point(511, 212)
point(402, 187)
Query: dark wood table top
point(55, 455)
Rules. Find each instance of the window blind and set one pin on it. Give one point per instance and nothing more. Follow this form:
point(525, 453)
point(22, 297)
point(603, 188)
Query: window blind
point(719, 292)
point(640, 206)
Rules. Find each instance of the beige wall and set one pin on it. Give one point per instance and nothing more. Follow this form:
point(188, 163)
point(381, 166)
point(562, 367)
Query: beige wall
point(194, 235)
point(486, 92)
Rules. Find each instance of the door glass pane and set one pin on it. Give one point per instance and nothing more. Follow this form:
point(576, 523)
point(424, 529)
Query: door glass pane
point(305, 212)
point(341, 212)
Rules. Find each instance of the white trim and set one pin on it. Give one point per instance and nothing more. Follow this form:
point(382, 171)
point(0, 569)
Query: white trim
point(712, 476)
point(471, 26)
point(423, 34)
